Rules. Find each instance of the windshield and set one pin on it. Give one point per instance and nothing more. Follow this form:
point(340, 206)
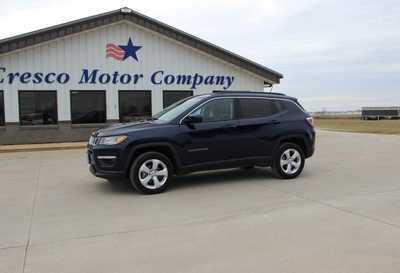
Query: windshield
point(175, 110)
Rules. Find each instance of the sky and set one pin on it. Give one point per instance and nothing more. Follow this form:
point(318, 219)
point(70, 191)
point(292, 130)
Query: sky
point(334, 55)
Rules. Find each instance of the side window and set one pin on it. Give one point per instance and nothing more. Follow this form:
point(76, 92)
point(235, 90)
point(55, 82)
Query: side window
point(216, 110)
point(257, 108)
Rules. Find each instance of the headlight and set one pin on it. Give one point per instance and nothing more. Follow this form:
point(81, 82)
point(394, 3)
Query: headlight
point(112, 140)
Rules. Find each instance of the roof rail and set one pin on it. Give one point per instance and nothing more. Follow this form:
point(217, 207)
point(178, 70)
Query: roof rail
point(248, 92)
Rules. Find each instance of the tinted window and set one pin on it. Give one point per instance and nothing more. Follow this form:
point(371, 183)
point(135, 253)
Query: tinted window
point(170, 97)
point(37, 107)
point(134, 105)
point(216, 110)
point(88, 107)
point(256, 108)
point(2, 119)
point(178, 108)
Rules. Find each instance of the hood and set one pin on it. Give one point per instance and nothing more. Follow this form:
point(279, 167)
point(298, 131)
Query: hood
point(125, 128)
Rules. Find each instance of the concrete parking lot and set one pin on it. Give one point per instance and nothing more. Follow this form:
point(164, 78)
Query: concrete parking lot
point(342, 215)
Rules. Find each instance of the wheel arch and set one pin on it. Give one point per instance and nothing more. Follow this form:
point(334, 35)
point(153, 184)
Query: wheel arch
point(164, 148)
point(296, 139)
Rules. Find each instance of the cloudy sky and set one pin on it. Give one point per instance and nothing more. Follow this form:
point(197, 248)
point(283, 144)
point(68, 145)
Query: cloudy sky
point(335, 55)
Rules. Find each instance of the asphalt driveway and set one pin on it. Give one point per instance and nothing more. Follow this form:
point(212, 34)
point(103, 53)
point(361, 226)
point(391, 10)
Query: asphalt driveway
point(342, 215)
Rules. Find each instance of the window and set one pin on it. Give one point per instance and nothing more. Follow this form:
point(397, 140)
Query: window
point(88, 107)
point(134, 105)
point(170, 97)
point(37, 107)
point(256, 108)
point(2, 119)
point(216, 110)
point(178, 108)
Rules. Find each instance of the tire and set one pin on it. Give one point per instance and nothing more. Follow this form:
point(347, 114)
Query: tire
point(143, 172)
point(293, 159)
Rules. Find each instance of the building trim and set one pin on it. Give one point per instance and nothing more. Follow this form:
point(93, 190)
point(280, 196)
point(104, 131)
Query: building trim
point(55, 32)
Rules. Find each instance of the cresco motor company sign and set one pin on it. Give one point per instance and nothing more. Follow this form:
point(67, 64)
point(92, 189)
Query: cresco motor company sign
point(119, 53)
point(96, 76)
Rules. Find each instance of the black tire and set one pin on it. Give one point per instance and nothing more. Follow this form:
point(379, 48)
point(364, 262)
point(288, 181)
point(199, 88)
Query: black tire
point(138, 162)
point(280, 171)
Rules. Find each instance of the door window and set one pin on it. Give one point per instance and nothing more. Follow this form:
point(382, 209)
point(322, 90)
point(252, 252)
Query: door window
point(216, 110)
point(257, 108)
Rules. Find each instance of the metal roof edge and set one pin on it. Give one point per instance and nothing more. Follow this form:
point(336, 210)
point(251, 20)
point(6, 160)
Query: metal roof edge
point(60, 30)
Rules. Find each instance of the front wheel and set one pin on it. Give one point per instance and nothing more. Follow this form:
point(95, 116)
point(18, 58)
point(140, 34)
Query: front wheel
point(150, 173)
point(288, 161)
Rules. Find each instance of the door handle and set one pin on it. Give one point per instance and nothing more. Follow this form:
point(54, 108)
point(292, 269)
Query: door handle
point(230, 126)
point(275, 122)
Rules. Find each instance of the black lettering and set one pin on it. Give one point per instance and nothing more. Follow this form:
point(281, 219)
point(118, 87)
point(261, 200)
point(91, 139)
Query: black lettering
point(88, 78)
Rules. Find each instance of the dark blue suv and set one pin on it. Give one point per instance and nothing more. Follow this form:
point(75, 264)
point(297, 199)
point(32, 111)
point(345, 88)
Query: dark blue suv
point(205, 132)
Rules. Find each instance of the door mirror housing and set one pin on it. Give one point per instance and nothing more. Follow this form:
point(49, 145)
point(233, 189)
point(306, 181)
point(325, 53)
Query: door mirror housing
point(193, 119)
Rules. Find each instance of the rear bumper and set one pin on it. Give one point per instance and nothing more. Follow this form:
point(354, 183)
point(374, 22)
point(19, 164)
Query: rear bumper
point(311, 146)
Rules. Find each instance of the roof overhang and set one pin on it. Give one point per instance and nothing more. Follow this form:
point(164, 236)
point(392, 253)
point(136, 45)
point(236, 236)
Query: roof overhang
point(45, 35)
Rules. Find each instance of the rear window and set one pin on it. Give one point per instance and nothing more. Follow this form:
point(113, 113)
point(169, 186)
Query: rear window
point(257, 108)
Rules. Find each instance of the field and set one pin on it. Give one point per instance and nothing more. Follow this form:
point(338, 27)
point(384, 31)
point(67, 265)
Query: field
point(360, 126)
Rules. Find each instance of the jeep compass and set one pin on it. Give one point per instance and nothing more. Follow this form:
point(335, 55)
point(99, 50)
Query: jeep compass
point(206, 132)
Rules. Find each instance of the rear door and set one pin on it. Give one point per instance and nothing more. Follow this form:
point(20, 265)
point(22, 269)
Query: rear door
point(258, 126)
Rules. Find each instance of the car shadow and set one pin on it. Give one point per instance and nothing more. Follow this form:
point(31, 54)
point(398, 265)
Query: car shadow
point(114, 188)
point(226, 176)
point(203, 179)
point(197, 179)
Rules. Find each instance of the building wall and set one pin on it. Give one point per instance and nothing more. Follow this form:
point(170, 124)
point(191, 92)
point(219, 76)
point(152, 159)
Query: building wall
point(86, 50)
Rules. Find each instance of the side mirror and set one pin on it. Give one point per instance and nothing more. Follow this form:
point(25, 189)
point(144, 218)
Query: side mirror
point(192, 119)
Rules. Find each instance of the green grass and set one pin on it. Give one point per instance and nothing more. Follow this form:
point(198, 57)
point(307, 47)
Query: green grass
point(391, 127)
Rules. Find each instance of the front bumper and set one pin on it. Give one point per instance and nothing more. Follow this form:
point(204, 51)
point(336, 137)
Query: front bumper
point(105, 174)
point(105, 163)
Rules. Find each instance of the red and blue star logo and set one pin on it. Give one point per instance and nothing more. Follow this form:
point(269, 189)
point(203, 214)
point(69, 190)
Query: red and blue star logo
point(122, 52)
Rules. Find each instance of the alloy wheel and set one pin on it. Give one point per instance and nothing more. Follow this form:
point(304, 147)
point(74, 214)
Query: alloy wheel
point(290, 161)
point(153, 174)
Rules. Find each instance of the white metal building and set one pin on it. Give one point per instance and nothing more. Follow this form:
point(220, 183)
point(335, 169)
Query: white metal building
point(60, 83)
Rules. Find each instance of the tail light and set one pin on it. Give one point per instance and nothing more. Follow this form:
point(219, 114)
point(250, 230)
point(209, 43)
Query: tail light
point(310, 121)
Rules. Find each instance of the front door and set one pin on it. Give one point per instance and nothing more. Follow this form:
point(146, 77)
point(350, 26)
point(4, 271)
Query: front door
point(214, 138)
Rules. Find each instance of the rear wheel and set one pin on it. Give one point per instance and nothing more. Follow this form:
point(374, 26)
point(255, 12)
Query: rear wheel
point(288, 162)
point(150, 173)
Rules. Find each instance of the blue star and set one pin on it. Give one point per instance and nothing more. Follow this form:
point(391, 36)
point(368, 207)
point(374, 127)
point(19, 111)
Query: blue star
point(130, 50)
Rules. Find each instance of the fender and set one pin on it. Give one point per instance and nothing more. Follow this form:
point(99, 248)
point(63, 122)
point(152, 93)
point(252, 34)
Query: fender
point(293, 136)
point(163, 144)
